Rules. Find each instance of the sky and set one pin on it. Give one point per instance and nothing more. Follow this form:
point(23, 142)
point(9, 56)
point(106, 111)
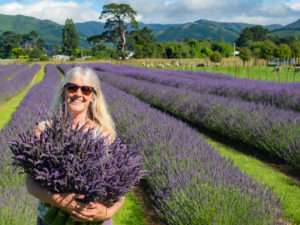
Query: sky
point(162, 11)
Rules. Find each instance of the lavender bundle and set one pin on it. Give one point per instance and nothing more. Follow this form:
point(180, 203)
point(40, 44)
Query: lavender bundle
point(66, 160)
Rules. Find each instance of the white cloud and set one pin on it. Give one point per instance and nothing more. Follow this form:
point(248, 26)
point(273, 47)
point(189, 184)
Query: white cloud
point(249, 11)
point(54, 10)
point(295, 6)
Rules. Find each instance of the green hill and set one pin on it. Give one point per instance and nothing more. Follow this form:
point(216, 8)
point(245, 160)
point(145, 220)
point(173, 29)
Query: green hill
point(51, 32)
point(202, 29)
point(292, 29)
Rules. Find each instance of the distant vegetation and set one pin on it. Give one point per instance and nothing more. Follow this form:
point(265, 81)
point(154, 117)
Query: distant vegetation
point(123, 37)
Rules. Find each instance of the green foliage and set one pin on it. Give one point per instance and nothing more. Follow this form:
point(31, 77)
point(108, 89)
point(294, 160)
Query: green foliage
point(8, 41)
point(295, 48)
point(101, 51)
point(256, 33)
point(245, 54)
point(283, 52)
point(27, 45)
point(224, 48)
point(216, 57)
point(118, 18)
point(263, 49)
point(69, 38)
point(17, 52)
point(142, 43)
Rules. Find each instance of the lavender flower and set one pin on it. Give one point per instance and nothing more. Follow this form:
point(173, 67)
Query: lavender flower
point(66, 160)
point(286, 96)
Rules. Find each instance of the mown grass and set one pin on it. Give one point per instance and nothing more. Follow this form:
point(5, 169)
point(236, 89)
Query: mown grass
point(286, 74)
point(131, 213)
point(283, 186)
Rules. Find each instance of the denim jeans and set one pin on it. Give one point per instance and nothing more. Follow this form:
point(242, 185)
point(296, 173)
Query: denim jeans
point(40, 222)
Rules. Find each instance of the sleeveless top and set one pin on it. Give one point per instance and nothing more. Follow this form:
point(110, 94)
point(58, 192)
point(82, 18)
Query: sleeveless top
point(43, 207)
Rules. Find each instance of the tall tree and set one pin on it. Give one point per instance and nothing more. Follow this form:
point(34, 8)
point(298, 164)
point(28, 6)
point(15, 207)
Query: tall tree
point(245, 55)
point(8, 41)
point(142, 43)
point(118, 18)
point(256, 33)
point(70, 38)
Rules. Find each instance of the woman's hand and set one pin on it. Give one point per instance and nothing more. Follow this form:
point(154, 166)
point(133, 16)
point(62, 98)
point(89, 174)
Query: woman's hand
point(96, 211)
point(67, 203)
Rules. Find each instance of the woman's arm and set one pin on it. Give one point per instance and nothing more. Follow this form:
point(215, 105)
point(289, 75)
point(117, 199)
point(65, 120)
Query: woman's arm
point(41, 193)
point(115, 208)
point(64, 201)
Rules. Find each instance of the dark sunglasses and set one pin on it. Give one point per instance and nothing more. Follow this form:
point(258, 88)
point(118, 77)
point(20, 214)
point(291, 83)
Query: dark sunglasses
point(72, 88)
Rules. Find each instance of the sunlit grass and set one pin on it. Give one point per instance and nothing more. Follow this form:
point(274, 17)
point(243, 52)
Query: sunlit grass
point(256, 72)
point(132, 212)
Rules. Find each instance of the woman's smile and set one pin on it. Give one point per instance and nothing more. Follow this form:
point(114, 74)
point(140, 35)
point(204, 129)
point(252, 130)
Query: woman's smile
point(77, 101)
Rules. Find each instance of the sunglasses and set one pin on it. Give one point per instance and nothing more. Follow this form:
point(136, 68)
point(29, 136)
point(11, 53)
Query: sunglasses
point(72, 88)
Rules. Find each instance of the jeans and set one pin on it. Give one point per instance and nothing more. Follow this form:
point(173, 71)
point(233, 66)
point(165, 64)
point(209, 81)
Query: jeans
point(40, 222)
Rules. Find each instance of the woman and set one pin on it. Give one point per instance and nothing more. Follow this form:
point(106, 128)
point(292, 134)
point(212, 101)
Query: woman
point(79, 93)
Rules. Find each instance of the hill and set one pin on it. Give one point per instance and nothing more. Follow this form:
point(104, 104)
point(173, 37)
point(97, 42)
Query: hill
point(51, 32)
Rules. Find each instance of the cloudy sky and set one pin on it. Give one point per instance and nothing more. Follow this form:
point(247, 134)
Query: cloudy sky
point(162, 11)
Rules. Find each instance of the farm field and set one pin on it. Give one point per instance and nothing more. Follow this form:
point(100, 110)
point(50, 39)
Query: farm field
point(231, 67)
point(214, 144)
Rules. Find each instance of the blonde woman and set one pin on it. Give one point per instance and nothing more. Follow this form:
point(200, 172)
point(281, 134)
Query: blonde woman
point(79, 93)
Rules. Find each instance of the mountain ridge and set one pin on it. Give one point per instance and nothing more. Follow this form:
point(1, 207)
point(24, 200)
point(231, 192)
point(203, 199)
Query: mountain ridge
point(51, 31)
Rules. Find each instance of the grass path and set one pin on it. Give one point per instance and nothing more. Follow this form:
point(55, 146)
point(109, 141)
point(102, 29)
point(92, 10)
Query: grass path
point(283, 186)
point(8, 108)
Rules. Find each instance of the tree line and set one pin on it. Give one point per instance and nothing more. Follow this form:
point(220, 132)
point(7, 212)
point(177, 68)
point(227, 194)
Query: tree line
point(122, 38)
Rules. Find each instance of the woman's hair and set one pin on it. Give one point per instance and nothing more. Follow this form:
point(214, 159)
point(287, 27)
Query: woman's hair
point(97, 110)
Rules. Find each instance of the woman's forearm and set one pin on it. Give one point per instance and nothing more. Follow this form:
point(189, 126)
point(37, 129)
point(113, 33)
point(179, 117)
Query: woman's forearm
point(113, 209)
point(39, 192)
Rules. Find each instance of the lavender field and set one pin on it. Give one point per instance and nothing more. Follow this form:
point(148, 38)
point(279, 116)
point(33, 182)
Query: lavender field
point(14, 199)
point(15, 77)
point(162, 114)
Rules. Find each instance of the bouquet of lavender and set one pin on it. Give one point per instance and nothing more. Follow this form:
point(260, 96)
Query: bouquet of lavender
point(65, 160)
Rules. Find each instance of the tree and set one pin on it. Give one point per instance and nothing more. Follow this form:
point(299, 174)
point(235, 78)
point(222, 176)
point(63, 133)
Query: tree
point(118, 18)
point(216, 57)
point(224, 48)
point(283, 52)
point(295, 48)
point(70, 38)
point(142, 42)
point(256, 33)
point(8, 41)
point(245, 54)
point(263, 49)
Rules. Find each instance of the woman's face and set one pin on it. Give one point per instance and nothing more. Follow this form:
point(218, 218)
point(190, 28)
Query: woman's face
point(77, 99)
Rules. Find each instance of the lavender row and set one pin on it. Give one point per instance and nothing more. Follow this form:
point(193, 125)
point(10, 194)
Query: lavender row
point(7, 70)
point(269, 129)
point(16, 205)
point(32, 107)
point(286, 96)
point(191, 75)
point(189, 182)
point(9, 88)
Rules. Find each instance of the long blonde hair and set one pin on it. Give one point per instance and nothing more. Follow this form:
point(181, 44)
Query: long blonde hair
point(97, 110)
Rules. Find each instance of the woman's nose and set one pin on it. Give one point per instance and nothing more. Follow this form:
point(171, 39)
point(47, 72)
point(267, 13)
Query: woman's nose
point(78, 92)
